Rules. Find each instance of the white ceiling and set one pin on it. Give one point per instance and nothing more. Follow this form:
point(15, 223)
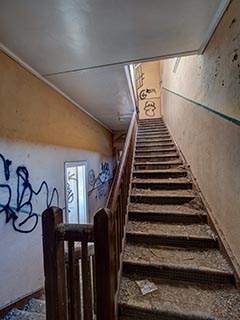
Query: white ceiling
point(81, 45)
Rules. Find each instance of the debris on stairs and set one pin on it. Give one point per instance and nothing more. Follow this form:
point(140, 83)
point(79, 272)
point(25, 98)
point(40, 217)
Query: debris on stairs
point(35, 309)
point(170, 248)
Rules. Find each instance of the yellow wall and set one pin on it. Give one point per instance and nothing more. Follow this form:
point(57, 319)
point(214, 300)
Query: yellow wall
point(210, 142)
point(32, 111)
point(149, 93)
point(39, 131)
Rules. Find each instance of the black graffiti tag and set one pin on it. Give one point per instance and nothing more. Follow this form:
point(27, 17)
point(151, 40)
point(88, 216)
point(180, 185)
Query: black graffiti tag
point(145, 92)
point(150, 108)
point(25, 193)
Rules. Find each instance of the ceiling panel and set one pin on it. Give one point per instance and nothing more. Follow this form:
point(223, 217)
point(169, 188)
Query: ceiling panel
point(103, 92)
point(81, 45)
point(60, 35)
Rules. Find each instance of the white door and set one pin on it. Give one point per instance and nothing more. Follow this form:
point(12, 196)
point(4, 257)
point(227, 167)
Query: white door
point(76, 192)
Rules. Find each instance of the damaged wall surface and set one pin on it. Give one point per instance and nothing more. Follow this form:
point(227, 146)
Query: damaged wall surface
point(40, 131)
point(201, 106)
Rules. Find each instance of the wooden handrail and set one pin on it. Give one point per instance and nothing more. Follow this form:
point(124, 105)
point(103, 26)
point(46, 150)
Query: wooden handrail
point(100, 268)
point(114, 191)
point(63, 280)
point(110, 231)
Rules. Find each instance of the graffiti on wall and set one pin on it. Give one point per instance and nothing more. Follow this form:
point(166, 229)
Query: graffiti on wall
point(70, 193)
point(99, 183)
point(150, 108)
point(21, 197)
point(145, 92)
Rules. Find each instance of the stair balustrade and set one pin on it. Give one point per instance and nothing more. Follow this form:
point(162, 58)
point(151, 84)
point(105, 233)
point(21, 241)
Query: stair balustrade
point(88, 290)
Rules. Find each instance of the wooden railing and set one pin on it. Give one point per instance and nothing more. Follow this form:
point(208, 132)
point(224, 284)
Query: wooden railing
point(109, 232)
point(70, 294)
point(93, 292)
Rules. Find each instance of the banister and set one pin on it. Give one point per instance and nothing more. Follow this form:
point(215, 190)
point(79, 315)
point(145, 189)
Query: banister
point(113, 194)
point(101, 265)
point(110, 231)
point(74, 232)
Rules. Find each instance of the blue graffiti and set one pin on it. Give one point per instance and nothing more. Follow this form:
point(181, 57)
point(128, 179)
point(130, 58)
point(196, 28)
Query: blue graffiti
point(25, 193)
point(98, 183)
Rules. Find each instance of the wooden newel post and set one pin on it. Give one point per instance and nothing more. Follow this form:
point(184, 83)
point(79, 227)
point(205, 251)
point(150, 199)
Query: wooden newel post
point(104, 264)
point(54, 266)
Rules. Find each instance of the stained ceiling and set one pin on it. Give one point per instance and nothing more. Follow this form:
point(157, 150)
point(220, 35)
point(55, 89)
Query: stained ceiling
point(81, 46)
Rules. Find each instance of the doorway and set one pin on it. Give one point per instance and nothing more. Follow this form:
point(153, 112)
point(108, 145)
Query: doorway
point(76, 192)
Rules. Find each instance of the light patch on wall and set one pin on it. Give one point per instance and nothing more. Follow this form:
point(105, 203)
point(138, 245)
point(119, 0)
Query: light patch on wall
point(176, 64)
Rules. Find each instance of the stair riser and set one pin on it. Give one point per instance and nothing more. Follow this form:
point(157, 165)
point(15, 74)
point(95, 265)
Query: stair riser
point(155, 128)
point(150, 121)
point(133, 313)
point(154, 146)
point(163, 186)
point(155, 142)
point(168, 272)
point(152, 134)
point(156, 166)
point(174, 241)
point(156, 136)
point(160, 200)
point(144, 132)
point(158, 158)
point(153, 152)
point(159, 175)
point(167, 217)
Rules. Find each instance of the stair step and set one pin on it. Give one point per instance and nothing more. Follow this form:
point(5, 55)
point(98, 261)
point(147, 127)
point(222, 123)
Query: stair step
point(134, 311)
point(150, 123)
point(156, 135)
point(153, 131)
point(161, 198)
point(159, 137)
point(143, 141)
point(177, 240)
point(161, 184)
point(36, 305)
point(182, 264)
point(152, 127)
point(153, 138)
point(156, 174)
point(158, 165)
point(154, 145)
point(154, 150)
point(201, 230)
point(178, 301)
point(150, 120)
point(165, 213)
point(157, 157)
point(16, 314)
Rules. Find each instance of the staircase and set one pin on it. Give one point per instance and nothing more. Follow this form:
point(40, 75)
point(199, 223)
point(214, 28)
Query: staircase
point(170, 252)
point(169, 241)
point(35, 309)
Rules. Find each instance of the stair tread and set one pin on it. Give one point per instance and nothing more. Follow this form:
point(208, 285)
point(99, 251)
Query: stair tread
point(35, 305)
point(190, 208)
point(176, 229)
point(186, 257)
point(139, 150)
point(16, 314)
point(163, 193)
point(183, 297)
point(171, 181)
point(165, 155)
point(159, 170)
point(180, 209)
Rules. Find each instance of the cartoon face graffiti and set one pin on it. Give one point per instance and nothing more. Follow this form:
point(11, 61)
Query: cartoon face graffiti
point(150, 108)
